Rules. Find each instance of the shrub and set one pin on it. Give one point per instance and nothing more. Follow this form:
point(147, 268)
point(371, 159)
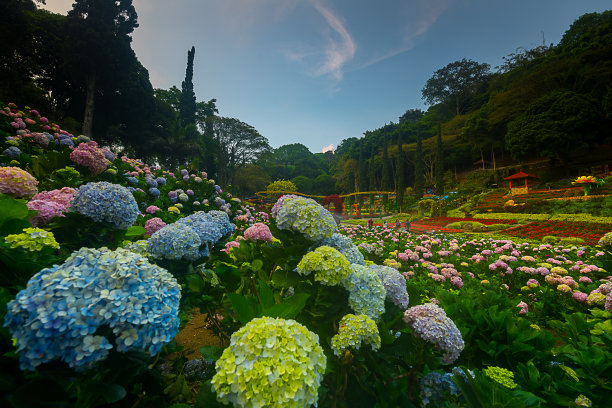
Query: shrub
point(282, 185)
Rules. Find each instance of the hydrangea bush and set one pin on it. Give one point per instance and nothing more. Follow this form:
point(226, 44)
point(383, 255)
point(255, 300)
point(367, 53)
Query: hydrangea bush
point(307, 217)
point(62, 313)
point(354, 331)
point(270, 363)
point(106, 202)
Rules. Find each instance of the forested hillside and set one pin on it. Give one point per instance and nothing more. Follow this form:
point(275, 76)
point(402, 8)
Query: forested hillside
point(551, 104)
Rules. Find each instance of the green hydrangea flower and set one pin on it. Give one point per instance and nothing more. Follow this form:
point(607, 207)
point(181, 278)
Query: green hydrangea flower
point(501, 376)
point(328, 264)
point(355, 330)
point(32, 239)
point(270, 363)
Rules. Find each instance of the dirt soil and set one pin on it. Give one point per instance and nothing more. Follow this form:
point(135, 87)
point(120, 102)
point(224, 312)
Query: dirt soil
point(195, 335)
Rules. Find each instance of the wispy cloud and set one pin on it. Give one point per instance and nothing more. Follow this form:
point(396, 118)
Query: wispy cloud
point(328, 58)
point(427, 13)
point(337, 51)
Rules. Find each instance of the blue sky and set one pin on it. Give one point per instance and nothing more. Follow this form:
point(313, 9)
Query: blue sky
point(319, 71)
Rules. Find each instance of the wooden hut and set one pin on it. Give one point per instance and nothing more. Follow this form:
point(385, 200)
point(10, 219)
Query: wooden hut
point(522, 183)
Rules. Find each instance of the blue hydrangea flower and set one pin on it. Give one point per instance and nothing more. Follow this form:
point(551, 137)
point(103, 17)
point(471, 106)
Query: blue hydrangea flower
point(366, 292)
point(132, 180)
point(106, 202)
point(307, 217)
point(154, 192)
point(49, 136)
point(437, 388)
point(345, 246)
point(176, 241)
point(12, 152)
point(210, 226)
point(58, 314)
point(161, 181)
point(66, 141)
point(219, 201)
point(394, 283)
point(151, 181)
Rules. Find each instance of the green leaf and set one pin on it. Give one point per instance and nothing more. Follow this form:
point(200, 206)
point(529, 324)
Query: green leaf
point(257, 264)
point(11, 208)
point(112, 392)
point(14, 226)
point(134, 231)
point(211, 353)
point(265, 295)
point(206, 397)
point(290, 308)
point(242, 307)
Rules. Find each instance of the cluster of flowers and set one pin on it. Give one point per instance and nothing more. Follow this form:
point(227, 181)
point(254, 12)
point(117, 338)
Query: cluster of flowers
point(394, 284)
point(50, 204)
point(439, 387)
point(366, 292)
point(16, 182)
point(330, 267)
point(106, 202)
point(345, 246)
point(190, 237)
point(430, 323)
point(32, 239)
point(89, 155)
point(355, 330)
point(60, 312)
point(270, 363)
point(258, 232)
point(501, 376)
point(305, 216)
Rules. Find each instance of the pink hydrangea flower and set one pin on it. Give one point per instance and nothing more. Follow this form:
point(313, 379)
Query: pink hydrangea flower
point(258, 232)
point(153, 225)
point(17, 182)
point(152, 209)
point(91, 156)
point(50, 204)
point(580, 296)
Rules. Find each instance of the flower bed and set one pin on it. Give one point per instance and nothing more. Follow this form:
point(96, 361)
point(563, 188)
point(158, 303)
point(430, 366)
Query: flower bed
point(589, 232)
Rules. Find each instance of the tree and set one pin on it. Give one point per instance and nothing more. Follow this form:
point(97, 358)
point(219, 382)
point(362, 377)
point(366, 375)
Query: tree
point(187, 104)
point(439, 164)
point(249, 179)
point(591, 30)
point(555, 125)
point(401, 180)
point(387, 178)
point(372, 170)
point(411, 116)
point(419, 182)
point(457, 82)
point(363, 170)
point(99, 50)
point(240, 143)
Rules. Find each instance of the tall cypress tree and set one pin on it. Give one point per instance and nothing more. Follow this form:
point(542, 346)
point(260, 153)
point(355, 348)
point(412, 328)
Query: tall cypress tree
point(401, 181)
point(372, 170)
point(187, 103)
point(419, 177)
point(363, 170)
point(387, 177)
point(439, 164)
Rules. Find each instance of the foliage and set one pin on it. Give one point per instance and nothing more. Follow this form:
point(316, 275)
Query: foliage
point(281, 185)
point(187, 101)
point(457, 81)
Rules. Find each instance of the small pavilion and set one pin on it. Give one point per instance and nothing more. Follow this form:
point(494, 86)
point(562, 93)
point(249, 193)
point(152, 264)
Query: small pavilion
point(522, 183)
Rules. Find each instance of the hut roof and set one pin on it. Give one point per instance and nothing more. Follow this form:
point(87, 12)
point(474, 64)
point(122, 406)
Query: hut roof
point(520, 175)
